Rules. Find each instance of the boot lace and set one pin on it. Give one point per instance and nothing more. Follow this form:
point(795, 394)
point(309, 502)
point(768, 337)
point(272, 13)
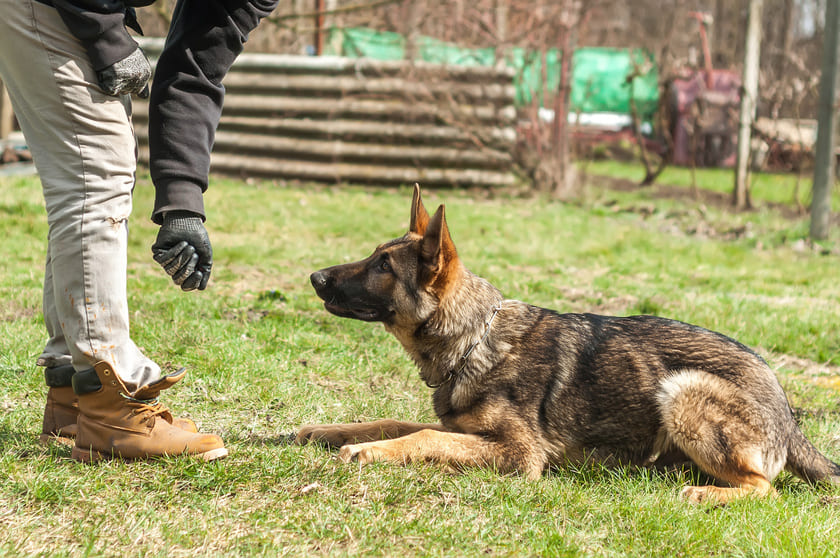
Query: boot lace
point(149, 407)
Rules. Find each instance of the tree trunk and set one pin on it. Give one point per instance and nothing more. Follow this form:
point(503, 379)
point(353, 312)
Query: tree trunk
point(786, 32)
point(824, 157)
point(564, 181)
point(740, 197)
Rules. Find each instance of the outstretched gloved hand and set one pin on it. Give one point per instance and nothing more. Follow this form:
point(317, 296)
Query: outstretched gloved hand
point(183, 249)
point(127, 76)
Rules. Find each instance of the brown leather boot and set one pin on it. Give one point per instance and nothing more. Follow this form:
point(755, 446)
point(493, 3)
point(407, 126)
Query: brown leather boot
point(62, 406)
point(116, 423)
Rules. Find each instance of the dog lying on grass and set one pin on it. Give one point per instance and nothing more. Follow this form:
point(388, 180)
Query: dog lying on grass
point(520, 388)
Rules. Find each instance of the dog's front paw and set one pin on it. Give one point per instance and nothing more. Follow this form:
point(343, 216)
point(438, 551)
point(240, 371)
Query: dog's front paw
point(362, 453)
point(693, 494)
point(700, 495)
point(329, 435)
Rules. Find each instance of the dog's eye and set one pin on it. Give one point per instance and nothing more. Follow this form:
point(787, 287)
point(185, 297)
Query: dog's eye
point(385, 266)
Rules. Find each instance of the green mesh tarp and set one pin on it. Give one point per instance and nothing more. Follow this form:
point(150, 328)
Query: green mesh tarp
point(365, 43)
point(599, 82)
point(599, 79)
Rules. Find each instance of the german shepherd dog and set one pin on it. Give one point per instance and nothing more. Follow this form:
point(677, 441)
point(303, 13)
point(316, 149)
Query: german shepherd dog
point(521, 388)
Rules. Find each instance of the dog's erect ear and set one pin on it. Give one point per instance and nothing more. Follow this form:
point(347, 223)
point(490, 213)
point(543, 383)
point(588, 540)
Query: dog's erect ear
point(438, 250)
point(419, 215)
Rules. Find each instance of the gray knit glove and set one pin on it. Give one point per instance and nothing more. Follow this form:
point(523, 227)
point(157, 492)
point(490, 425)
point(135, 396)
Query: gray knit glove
point(129, 75)
point(183, 249)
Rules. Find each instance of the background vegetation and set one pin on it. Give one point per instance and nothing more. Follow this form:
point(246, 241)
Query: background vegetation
point(264, 358)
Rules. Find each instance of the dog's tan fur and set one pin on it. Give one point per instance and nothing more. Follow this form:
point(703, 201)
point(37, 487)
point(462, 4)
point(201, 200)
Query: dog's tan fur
point(519, 388)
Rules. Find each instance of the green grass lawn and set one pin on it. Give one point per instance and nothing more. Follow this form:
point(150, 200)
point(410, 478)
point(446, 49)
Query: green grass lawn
point(264, 357)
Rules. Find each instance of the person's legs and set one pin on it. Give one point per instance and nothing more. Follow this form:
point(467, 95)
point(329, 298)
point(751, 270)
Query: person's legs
point(84, 148)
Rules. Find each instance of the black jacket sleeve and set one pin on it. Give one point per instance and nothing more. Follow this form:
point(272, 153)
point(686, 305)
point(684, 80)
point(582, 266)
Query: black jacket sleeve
point(185, 105)
point(99, 25)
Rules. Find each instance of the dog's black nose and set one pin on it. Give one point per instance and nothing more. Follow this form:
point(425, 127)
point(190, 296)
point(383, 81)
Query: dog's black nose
point(319, 279)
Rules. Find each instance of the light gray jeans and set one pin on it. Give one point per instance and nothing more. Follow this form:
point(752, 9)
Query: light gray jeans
point(84, 148)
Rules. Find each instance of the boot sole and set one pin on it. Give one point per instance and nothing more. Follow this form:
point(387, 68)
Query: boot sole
point(94, 456)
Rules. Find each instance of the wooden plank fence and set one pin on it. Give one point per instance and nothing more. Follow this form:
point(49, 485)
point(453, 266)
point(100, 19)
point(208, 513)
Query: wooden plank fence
point(333, 119)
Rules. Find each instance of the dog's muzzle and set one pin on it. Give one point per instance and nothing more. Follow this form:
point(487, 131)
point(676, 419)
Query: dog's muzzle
point(347, 305)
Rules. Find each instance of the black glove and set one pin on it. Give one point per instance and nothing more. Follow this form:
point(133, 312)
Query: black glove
point(183, 250)
point(129, 75)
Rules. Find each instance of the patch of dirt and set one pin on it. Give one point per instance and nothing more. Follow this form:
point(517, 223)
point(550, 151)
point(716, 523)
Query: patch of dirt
point(693, 217)
point(14, 310)
point(582, 297)
point(803, 366)
point(250, 282)
point(718, 200)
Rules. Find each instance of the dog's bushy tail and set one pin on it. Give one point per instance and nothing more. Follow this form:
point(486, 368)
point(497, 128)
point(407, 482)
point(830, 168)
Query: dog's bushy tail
point(806, 462)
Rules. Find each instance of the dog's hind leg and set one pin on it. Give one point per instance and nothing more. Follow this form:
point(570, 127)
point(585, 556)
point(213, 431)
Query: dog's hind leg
point(748, 485)
point(722, 432)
